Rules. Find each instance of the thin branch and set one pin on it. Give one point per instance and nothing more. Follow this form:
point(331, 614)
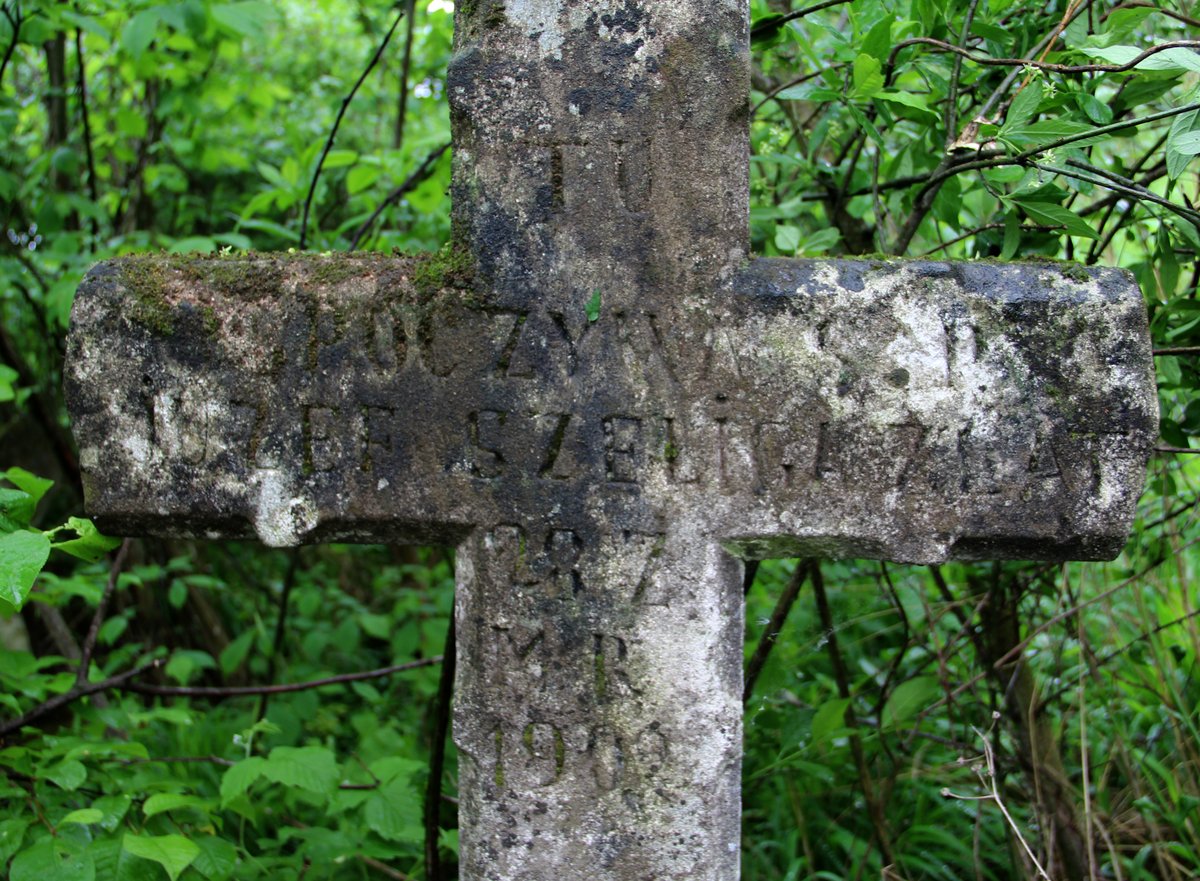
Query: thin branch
point(437, 757)
point(1165, 449)
point(783, 606)
point(337, 124)
point(15, 19)
point(773, 23)
point(405, 67)
point(89, 642)
point(421, 172)
point(1024, 62)
point(1131, 192)
point(61, 700)
point(85, 118)
point(951, 117)
point(254, 690)
point(289, 580)
point(1177, 350)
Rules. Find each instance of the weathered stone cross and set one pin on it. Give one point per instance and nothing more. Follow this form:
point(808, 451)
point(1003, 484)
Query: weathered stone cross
point(604, 405)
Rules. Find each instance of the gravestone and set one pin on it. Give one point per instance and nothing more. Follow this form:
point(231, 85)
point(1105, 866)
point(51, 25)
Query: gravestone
point(605, 406)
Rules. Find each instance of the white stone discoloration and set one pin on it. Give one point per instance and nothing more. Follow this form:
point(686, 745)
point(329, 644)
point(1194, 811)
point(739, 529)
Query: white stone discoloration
point(281, 518)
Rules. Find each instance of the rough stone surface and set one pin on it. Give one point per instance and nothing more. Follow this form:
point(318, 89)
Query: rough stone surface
point(603, 405)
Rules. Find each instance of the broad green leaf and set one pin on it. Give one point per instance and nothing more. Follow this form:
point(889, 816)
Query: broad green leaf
point(829, 719)
point(47, 860)
point(592, 307)
point(16, 509)
point(361, 177)
point(1169, 59)
point(248, 18)
point(173, 852)
point(1024, 106)
point(69, 775)
point(139, 32)
point(1188, 144)
point(235, 653)
point(312, 768)
point(919, 103)
point(1177, 160)
point(22, 555)
point(30, 483)
point(90, 545)
point(340, 158)
point(1097, 111)
point(820, 241)
point(394, 811)
point(908, 699)
point(84, 816)
point(868, 78)
point(12, 833)
point(787, 238)
point(1049, 214)
point(878, 41)
point(1045, 131)
point(171, 801)
point(240, 778)
point(8, 376)
point(217, 858)
point(193, 244)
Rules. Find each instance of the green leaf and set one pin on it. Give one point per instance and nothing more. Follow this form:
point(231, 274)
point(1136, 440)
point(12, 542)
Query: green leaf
point(16, 509)
point(22, 555)
point(12, 833)
point(340, 158)
point(240, 778)
point(829, 719)
point(217, 858)
point(171, 801)
point(247, 19)
point(1169, 59)
point(868, 78)
point(361, 177)
point(820, 241)
point(1045, 131)
point(908, 699)
point(1178, 160)
point(1024, 106)
point(394, 812)
point(47, 860)
point(593, 306)
point(235, 653)
point(173, 852)
point(1188, 144)
point(1097, 111)
point(84, 816)
point(1049, 214)
point(68, 775)
point(139, 32)
point(787, 238)
point(30, 483)
point(312, 768)
point(90, 545)
point(920, 103)
point(8, 376)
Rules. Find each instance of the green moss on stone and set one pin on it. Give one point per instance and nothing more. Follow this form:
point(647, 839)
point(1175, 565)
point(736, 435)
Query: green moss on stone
point(145, 279)
point(449, 268)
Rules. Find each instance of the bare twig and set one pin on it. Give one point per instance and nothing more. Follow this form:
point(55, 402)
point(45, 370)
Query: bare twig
point(1026, 63)
point(1145, 4)
point(437, 758)
point(81, 84)
point(89, 642)
point(783, 606)
point(13, 14)
point(61, 700)
point(337, 124)
point(253, 690)
point(405, 67)
point(773, 23)
point(1177, 350)
point(418, 175)
point(289, 580)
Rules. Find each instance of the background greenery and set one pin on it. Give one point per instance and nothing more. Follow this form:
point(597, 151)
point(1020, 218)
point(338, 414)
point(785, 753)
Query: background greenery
point(992, 721)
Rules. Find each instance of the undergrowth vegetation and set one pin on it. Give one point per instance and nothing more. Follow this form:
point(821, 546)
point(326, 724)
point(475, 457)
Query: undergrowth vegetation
point(988, 721)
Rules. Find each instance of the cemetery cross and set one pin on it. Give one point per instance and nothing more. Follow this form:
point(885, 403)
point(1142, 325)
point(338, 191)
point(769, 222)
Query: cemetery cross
point(605, 406)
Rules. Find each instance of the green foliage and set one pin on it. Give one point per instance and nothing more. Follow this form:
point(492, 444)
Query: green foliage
point(205, 121)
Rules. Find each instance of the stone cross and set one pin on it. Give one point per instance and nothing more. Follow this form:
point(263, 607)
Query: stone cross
point(605, 406)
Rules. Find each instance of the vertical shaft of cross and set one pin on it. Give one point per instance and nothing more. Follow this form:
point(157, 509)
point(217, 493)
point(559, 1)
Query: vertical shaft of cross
point(601, 167)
